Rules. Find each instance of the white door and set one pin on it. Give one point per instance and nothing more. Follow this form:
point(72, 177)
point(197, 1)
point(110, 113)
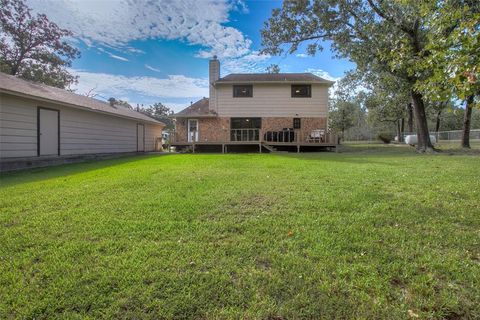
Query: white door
point(140, 138)
point(192, 130)
point(48, 132)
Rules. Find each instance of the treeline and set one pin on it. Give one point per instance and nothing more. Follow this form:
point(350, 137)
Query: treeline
point(424, 55)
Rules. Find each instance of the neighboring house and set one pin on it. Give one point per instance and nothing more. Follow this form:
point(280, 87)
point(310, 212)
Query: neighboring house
point(46, 122)
point(267, 110)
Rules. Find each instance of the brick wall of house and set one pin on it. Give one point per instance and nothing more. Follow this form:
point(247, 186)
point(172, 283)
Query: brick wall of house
point(217, 129)
point(213, 129)
point(209, 129)
point(180, 130)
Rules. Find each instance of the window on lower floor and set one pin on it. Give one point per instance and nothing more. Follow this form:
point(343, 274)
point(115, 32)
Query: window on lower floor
point(296, 123)
point(245, 129)
point(246, 123)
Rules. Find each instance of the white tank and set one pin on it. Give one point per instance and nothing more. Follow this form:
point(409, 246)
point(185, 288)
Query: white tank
point(413, 140)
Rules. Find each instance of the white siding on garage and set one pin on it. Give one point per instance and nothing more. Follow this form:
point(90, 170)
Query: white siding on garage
point(81, 132)
point(18, 128)
point(272, 100)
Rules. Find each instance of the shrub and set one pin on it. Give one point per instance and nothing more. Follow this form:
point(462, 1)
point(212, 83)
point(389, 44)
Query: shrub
point(385, 137)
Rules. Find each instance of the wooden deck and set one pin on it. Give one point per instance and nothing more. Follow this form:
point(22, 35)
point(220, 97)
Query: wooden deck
point(256, 137)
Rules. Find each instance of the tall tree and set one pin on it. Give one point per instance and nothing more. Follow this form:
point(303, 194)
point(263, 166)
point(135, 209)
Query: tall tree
point(453, 41)
point(375, 34)
point(161, 113)
point(341, 116)
point(273, 68)
point(386, 98)
point(32, 47)
point(119, 103)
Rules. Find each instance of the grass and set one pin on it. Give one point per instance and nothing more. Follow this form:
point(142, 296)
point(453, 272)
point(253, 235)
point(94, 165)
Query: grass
point(371, 232)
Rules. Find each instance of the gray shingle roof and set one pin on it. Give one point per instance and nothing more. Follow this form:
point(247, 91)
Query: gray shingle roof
point(13, 85)
point(273, 77)
point(198, 109)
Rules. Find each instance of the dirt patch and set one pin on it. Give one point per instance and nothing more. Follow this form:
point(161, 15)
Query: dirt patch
point(243, 207)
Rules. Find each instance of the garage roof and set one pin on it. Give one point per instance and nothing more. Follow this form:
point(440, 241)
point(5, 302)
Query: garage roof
point(19, 87)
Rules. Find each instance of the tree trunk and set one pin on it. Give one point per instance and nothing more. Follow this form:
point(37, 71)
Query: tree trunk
point(437, 124)
point(423, 144)
point(402, 128)
point(466, 123)
point(410, 117)
point(399, 130)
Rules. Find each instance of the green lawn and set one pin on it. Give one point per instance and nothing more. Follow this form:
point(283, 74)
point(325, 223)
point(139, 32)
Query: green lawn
point(371, 232)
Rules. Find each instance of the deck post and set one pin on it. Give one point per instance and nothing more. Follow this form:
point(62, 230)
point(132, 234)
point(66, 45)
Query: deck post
point(193, 147)
point(260, 148)
point(223, 148)
point(298, 148)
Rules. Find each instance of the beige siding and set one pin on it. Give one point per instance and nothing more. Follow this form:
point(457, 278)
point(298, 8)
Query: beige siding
point(81, 132)
point(272, 100)
point(18, 128)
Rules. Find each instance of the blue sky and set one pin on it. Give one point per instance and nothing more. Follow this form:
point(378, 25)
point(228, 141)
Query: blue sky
point(146, 52)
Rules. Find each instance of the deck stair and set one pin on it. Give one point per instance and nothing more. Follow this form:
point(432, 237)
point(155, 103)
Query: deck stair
point(269, 147)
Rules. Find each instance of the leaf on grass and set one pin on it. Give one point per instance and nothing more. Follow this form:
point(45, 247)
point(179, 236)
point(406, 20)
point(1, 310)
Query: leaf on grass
point(412, 314)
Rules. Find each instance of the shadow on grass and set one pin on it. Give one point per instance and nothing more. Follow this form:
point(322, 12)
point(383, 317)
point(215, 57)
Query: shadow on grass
point(371, 153)
point(9, 179)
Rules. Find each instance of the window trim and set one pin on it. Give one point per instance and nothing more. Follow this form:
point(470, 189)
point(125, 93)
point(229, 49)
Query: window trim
point(309, 86)
point(242, 85)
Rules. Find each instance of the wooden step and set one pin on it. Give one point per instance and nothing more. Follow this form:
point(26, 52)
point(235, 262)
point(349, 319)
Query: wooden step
point(268, 147)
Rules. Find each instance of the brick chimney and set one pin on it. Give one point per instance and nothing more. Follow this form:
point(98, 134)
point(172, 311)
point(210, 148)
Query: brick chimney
point(213, 75)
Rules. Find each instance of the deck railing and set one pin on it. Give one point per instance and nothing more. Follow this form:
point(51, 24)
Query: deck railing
point(245, 135)
point(287, 137)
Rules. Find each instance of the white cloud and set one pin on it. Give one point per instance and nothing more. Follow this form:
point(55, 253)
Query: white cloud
point(117, 57)
point(323, 74)
point(251, 62)
point(111, 55)
point(301, 55)
point(134, 50)
point(152, 68)
point(172, 87)
point(115, 23)
point(239, 5)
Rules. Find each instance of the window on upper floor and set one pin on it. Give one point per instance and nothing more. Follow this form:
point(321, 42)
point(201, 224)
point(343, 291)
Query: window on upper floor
point(301, 91)
point(243, 91)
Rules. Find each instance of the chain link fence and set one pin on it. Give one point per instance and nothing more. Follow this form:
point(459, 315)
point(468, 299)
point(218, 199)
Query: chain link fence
point(456, 135)
point(442, 136)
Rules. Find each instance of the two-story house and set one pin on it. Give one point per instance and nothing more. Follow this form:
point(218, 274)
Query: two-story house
point(268, 110)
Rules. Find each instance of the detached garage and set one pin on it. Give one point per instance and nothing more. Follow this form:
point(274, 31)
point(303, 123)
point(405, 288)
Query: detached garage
point(39, 122)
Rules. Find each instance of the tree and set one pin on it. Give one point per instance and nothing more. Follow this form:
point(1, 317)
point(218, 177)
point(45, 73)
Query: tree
point(341, 116)
point(119, 103)
point(375, 34)
point(32, 48)
point(273, 68)
point(454, 59)
point(386, 98)
point(161, 113)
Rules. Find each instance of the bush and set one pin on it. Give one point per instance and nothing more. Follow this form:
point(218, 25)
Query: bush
point(385, 137)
